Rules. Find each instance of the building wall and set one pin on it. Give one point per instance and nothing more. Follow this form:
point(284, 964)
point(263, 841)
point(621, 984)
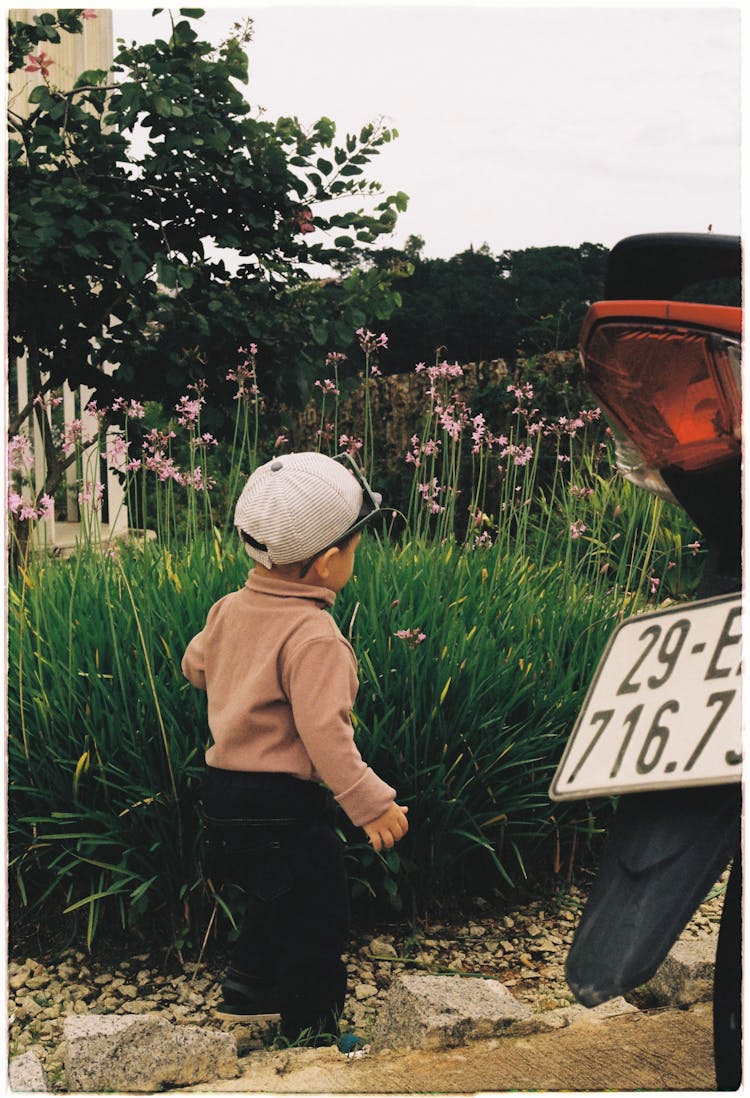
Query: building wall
point(94, 49)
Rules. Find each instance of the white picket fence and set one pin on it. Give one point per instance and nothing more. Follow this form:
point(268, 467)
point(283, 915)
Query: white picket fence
point(92, 49)
point(97, 467)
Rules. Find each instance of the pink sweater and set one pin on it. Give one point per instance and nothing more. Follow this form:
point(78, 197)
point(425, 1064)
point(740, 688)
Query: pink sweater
point(281, 682)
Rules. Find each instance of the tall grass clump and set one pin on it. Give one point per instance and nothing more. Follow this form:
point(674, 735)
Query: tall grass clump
point(478, 618)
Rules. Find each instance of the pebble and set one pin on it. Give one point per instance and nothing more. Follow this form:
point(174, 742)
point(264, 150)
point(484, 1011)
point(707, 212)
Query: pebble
point(525, 949)
point(364, 991)
point(383, 947)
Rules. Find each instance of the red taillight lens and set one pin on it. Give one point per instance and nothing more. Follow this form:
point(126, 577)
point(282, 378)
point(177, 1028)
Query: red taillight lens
point(668, 375)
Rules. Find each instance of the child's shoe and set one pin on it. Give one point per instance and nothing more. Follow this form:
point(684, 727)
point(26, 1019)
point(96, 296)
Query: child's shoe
point(351, 1043)
point(244, 1002)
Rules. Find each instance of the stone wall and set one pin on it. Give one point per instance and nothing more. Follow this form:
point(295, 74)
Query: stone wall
point(399, 403)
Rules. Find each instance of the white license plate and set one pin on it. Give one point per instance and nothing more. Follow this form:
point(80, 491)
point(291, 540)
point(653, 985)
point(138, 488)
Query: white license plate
point(664, 709)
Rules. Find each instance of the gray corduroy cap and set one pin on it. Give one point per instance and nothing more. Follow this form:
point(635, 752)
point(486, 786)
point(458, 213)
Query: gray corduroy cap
point(295, 506)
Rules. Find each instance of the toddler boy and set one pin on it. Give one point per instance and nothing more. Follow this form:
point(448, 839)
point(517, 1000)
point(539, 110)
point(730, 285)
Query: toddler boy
point(281, 682)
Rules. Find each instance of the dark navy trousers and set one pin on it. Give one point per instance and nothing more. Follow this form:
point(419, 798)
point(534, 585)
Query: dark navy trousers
point(275, 836)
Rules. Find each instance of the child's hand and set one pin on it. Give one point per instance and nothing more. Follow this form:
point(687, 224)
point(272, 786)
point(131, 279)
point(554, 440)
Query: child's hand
point(388, 828)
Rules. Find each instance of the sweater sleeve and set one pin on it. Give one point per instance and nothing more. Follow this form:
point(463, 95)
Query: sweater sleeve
point(322, 685)
point(193, 662)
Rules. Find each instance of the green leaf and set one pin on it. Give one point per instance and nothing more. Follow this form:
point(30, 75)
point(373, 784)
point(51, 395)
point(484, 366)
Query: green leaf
point(90, 76)
point(39, 94)
point(166, 275)
point(319, 332)
point(324, 166)
point(192, 13)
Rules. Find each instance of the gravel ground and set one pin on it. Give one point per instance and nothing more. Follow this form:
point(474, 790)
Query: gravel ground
point(524, 949)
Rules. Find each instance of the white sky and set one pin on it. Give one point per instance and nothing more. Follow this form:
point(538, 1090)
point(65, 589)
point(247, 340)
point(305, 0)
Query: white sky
point(518, 126)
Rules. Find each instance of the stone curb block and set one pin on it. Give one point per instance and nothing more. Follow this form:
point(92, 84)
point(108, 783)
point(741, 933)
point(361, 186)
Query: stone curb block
point(26, 1074)
point(433, 1012)
point(110, 1052)
point(686, 975)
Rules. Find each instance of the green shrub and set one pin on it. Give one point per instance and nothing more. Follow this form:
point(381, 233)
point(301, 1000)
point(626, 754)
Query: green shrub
point(106, 737)
point(478, 619)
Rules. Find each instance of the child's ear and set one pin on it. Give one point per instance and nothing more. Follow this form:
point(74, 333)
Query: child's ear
point(321, 566)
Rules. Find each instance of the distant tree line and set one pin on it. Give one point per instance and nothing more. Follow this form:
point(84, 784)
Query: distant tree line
point(477, 306)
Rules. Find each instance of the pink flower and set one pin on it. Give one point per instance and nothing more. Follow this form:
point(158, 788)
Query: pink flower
point(694, 546)
point(577, 528)
point(483, 540)
point(352, 444)
point(327, 386)
point(208, 439)
point(479, 432)
point(39, 62)
point(654, 582)
point(244, 375)
point(157, 440)
point(73, 436)
point(189, 411)
point(88, 13)
point(19, 452)
point(413, 637)
point(280, 440)
point(368, 341)
point(133, 409)
point(521, 455)
point(522, 392)
point(430, 493)
point(195, 480)
point(93, 409)
point(333, 358)
point(118, 449)
point(15, 502)
point(50, 400)
point(91, 494)
point(163, 466)
point(304, 219)
point(441, 370)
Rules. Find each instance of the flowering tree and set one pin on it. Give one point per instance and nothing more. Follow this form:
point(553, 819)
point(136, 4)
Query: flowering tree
point(162, 262)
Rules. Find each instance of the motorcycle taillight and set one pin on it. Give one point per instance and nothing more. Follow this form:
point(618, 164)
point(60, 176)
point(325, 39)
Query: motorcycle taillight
point(668, 375)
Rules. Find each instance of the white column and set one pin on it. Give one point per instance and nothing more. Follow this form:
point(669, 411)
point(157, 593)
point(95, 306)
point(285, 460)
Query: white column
point(116, 503)
point(45, 528)
point(90, 513)
point(71, 473)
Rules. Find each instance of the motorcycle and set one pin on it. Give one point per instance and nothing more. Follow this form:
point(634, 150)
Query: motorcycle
point(660, 727)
